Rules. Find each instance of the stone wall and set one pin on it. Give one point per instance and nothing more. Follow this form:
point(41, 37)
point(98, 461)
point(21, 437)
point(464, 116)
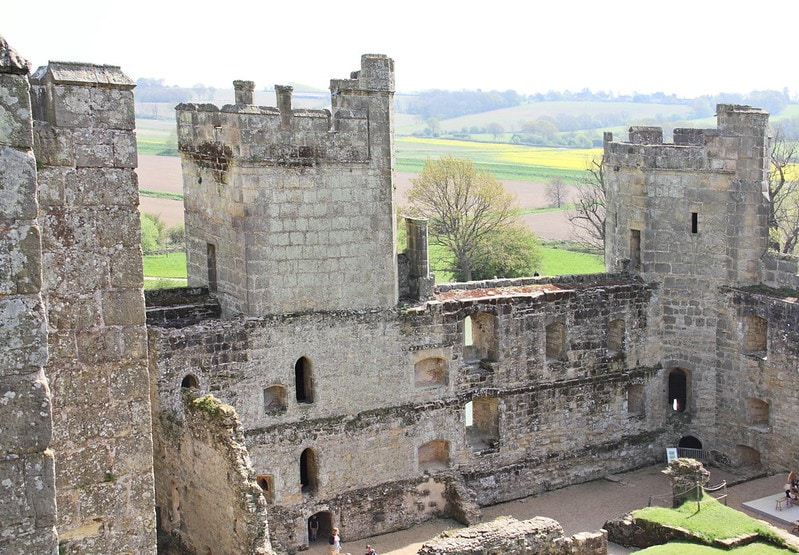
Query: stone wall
point(387, 395)
point(85, 149)
point(209, 501)
point(293, 210)
point(508, 536)
point(27, 487)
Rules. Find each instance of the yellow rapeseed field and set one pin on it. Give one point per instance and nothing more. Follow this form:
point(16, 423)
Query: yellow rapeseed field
point(561, 158)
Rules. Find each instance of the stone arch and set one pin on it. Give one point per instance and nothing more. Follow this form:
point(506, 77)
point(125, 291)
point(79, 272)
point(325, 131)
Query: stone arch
point(267, 485)
point(433, 455)
point(689, 442)
point(324, 522)
point(430, 372)
point(274, 399)
point(190, 381)
point(480, 337)
point(482, 423)
point(309, 471)
point(303, 381)
point(678, 381)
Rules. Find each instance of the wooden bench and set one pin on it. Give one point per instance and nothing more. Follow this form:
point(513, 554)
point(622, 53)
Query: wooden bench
point(779, 501)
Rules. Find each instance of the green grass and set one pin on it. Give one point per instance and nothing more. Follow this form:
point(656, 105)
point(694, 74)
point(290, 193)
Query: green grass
point(165, 265)
point(558, 262)
point(713, 520)
point(160, 194)
point(680, 548)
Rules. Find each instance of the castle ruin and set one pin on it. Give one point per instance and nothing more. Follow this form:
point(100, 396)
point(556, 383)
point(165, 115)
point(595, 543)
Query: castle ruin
point(310, 370)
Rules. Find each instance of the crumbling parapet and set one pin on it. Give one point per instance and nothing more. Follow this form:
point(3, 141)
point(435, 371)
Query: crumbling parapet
point(27, 491)
point(688, 478)
point(509, 536)
point(207, 494)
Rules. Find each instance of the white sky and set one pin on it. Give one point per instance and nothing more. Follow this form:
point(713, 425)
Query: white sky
point(687, 47)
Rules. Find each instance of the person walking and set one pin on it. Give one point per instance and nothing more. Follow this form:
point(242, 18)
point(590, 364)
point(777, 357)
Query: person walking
point(334, 543)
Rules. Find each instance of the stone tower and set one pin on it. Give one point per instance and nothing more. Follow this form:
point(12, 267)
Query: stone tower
point(85, 147)
point(292, 210)
point(692, 217)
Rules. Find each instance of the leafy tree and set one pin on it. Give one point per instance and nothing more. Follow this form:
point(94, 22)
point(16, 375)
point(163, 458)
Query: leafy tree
point(783, 194)
point(495, 129)
point(588, 214)
point(472, 217)
point(151, 229)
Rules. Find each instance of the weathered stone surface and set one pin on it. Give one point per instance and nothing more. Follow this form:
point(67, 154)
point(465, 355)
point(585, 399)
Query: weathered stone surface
point(20, 259)
point(18, 193)
point(22, 396)
point(15, 111)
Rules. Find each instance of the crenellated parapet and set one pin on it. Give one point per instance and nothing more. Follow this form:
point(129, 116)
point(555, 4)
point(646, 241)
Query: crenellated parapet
point(283, 135)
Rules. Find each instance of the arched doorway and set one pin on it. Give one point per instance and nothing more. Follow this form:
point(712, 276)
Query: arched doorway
point(308, 471)
point(323, 522)
point(689, 442)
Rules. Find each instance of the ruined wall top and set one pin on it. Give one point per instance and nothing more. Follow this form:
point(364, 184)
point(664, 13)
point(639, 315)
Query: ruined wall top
point(10, 61)
point(73, 73)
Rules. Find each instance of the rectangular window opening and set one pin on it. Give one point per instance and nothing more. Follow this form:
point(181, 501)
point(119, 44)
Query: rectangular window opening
point(694, 222)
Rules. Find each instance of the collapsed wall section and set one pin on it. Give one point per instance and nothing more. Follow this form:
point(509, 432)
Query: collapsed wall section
point(208, 499)
point(27, 491)
point(85, 147)
point(293, 210)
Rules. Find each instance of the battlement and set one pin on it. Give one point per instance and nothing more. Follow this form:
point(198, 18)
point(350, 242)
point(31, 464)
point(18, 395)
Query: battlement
point(740, 136)
point(283, 136)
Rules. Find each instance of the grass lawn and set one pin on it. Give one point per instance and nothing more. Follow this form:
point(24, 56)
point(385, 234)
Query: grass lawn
point(558, 262)
point(713, 521)
point(171, 265)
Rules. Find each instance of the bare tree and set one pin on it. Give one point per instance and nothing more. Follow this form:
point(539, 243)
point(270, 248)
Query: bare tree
point(556, 192)
point(588, 214)
point(783, 194)
point(467, 209)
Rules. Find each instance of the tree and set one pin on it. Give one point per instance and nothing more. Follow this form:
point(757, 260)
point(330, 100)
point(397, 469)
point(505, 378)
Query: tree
point(495, 129)
point(556, 192)
point(588, 214)
point(783, 194)
point(471, 215)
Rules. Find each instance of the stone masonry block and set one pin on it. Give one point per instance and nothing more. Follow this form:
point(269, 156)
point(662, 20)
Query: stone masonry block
point(25, 423)
point(20, 257)
point(126, 268)
point(125, 153)
point(15, 111)
point(102, 187)
point(123, 307)
point(94, 148)
point(17, 184)
point(26, 347)
point(118, 225)
point(53, 146)
point(28, 492)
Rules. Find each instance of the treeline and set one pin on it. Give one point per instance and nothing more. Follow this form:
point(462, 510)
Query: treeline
point(154, 90)
point(443, 105)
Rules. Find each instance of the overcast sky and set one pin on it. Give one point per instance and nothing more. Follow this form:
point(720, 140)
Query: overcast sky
point(686, 47)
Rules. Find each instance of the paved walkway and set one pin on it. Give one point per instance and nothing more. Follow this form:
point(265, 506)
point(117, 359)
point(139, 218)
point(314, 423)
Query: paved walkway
point(584, 507)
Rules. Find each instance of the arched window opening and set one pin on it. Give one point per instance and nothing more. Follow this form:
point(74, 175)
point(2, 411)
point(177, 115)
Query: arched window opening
point(556, 341)
point(747, 456)
point(678, 390)
point(434, 456)
point(190, 381)
point(320, 525)
point(635, 400)
point(265, 482)
point(482, 423)
point(430, 372)
point(480, 337)
point(308, 472)
point(274, 399)
point(302, 381)
point(757, 412)
point(615, 343)
point(755, 336)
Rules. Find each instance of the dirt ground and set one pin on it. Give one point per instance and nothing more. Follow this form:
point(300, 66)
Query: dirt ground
point(581, 508)
point(162, 173)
